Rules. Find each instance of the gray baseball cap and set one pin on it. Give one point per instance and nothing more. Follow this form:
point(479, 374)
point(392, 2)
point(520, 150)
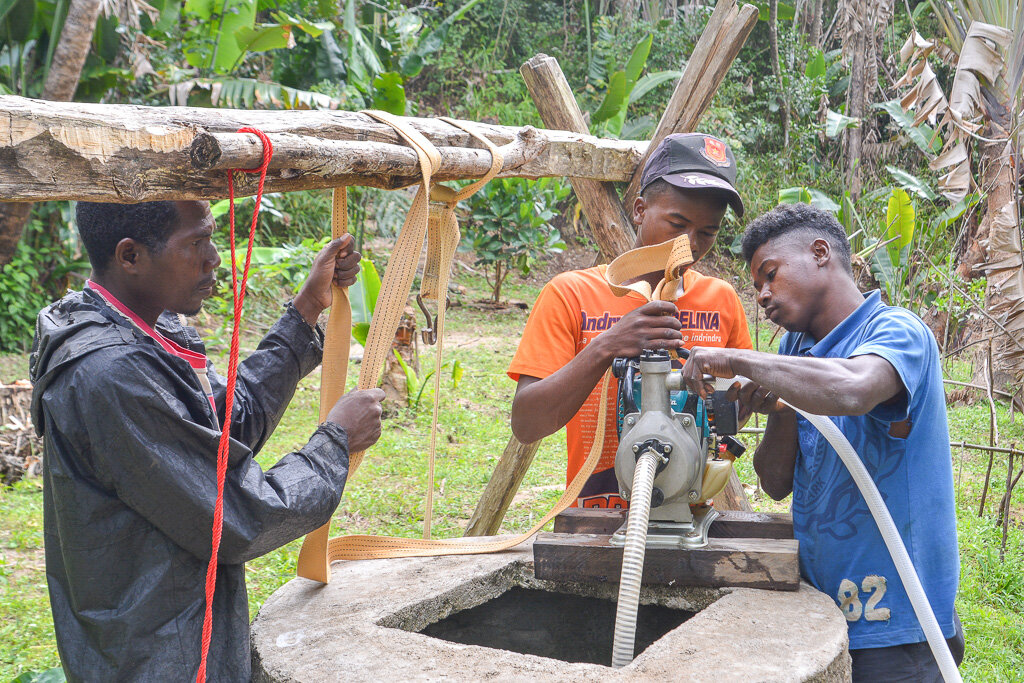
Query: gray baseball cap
point(694, 161)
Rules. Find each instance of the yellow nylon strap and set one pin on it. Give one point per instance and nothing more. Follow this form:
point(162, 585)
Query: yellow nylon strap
point(377, 547)
point(442, 228)
point(313, 562)
point(443, 237)
point(669, 258)
point(625, 273)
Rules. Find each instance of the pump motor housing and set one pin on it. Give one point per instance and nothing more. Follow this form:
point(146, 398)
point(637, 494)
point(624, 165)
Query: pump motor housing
point(654, 413)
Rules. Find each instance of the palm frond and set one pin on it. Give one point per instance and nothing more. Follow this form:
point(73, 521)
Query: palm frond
point(248, 93)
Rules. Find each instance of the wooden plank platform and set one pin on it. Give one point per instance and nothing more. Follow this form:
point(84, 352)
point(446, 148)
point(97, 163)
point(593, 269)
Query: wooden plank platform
point(747, 549)
point(769, 563)
point(731, 524)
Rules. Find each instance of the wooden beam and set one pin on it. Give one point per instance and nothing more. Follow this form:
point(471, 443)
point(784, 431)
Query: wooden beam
point(501, 489)
point(731, 523)
point(723, 37)
point(550, 91)
point(769, 563)
point(127, 153)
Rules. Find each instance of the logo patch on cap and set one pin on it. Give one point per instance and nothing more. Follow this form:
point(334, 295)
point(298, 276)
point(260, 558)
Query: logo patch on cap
point(714, 151)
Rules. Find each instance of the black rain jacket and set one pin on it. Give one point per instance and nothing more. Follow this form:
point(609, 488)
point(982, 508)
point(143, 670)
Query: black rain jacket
point(130, 447)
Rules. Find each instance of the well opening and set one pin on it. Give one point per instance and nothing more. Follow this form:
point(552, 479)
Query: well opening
point(572, 622)
point(571, 628)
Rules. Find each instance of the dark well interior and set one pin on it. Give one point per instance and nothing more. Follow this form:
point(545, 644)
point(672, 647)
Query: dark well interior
point(571, 628)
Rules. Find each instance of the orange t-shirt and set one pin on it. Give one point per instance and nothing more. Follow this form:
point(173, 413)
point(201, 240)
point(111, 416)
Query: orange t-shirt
point(577, 306)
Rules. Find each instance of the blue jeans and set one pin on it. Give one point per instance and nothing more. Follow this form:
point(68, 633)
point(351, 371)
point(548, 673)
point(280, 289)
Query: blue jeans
point(909, 662)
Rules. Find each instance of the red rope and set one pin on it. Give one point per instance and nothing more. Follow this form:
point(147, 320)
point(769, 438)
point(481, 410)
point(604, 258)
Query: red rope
point(225, 436)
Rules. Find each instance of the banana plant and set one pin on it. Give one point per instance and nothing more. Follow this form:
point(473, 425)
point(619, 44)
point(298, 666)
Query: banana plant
point(416, 384)
point(625, 86)
point(890, 255)
point(226, 31)
point(363, 297)
point(808, 195)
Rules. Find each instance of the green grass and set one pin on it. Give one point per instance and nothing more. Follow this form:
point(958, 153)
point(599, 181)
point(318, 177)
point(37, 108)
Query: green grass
point(386, 495)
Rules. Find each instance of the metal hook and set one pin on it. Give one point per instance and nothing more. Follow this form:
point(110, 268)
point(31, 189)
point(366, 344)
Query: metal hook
point(429, 333)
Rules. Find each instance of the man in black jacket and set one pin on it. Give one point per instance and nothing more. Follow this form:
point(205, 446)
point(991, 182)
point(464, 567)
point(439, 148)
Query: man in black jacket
point(130, 412)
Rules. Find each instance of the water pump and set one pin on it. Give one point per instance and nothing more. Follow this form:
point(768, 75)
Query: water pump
point(691, 440)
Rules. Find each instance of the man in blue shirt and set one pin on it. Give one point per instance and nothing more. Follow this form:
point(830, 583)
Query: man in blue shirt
point(876, 369)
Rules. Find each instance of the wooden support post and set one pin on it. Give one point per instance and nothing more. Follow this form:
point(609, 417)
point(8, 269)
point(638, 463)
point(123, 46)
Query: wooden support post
point(501, 489)
point(733, 497)
point(550, 91)
point(558, 109)
point(731, 523)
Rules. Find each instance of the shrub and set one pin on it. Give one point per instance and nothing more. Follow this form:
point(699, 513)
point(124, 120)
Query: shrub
point(38, 273)
point(511, 228)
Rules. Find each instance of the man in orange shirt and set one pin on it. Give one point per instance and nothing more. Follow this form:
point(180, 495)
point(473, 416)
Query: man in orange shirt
point(578, 326)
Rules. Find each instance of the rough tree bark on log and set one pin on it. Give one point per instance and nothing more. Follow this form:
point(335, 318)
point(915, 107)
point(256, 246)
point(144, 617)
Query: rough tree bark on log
point(126, 153)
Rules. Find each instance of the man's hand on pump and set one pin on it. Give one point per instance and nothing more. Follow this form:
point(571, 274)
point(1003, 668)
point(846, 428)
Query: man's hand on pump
point(755, 398)
point(703, 365)
point(338, 264)
point(652, 326)
point(706, 363)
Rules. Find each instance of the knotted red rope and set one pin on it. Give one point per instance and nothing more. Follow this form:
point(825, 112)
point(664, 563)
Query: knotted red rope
point(238, 295)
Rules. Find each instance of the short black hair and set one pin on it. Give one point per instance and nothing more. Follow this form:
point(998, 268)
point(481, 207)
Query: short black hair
point(788, 218)
point(660, 186)
point(102, 226)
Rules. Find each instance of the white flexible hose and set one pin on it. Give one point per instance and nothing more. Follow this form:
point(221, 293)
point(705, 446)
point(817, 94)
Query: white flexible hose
point(893, 541)
point(891, 536)
point(633, 559)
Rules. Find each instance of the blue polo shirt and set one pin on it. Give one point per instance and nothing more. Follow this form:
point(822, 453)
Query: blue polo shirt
point(905, 446)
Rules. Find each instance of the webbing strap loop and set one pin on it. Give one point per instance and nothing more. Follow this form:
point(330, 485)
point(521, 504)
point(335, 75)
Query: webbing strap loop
point(436, 224)
point(625, 273)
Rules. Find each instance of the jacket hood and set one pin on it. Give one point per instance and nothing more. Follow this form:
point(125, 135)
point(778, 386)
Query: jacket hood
point(66, 331)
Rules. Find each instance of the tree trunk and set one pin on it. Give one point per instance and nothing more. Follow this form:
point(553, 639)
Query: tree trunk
point(13, 216)
point(855, 46)
point(773, 44)
point(61, 82)
point(395, 385)
point(671, 10)
point(627, 11)
point(72, 49)
point(814, 32)
point(999, 233)
point(861, 23)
